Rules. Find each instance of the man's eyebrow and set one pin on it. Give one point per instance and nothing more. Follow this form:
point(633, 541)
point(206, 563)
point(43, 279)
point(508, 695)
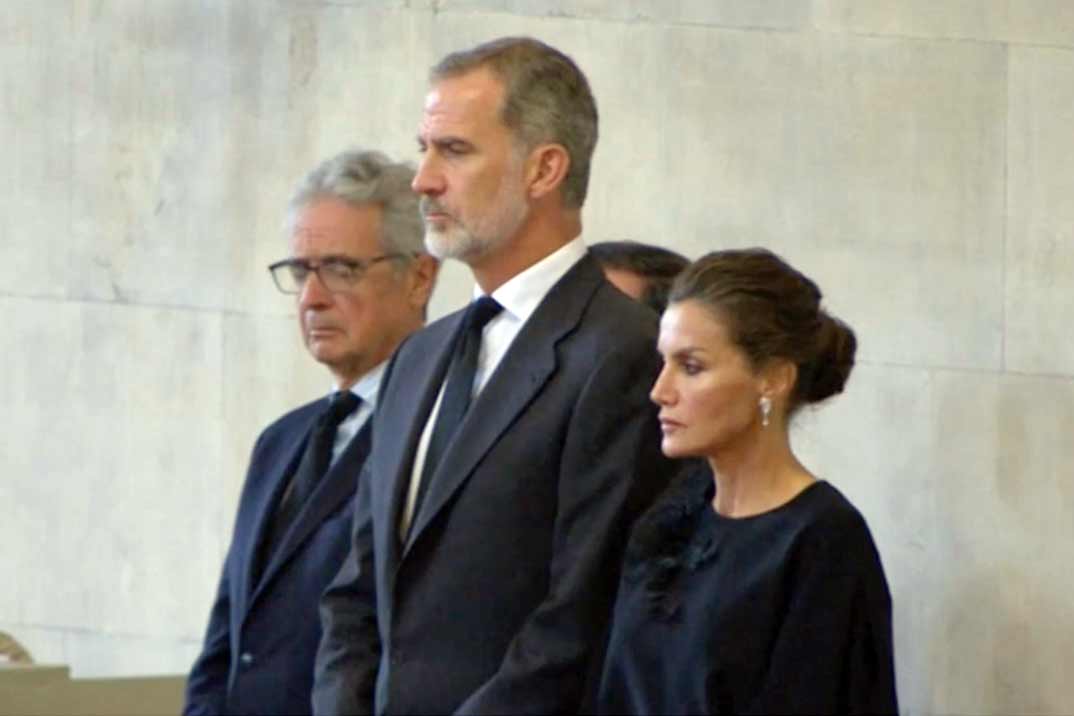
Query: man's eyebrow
point(445, 142)
point(326, 257)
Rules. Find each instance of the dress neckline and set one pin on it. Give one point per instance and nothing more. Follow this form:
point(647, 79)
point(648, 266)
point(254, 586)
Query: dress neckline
point(800, 496)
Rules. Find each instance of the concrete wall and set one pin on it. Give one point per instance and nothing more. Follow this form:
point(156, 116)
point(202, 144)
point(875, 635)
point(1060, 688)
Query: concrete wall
point(915, 157)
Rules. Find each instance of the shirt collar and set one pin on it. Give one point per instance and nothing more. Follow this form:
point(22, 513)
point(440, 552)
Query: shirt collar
point(521, 295)
point(368, 386)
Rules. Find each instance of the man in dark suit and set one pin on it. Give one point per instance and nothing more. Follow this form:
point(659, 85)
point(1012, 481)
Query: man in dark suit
point(487, 544)
point(362, 280)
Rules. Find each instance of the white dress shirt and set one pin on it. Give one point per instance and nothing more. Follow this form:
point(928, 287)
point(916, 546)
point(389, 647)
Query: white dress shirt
point(519, 297)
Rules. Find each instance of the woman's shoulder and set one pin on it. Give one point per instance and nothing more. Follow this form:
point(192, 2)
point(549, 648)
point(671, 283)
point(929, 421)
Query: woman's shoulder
point(825, 508)
point(830, 524)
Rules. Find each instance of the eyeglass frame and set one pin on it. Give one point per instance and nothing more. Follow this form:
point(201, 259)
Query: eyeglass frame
point(359, 267)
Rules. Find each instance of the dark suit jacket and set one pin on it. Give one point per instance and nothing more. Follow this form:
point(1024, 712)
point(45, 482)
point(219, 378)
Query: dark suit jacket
point(262, 635)
point(498, 599)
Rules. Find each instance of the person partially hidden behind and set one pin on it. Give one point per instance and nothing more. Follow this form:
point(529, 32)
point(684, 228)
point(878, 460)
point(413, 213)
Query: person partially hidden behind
point(642, 271)
point(514, 442)
point(362, 279)
point(754, 586)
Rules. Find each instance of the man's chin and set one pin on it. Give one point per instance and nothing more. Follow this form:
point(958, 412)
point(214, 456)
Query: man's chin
point(448, 244)
point(323, 350)
point(457, 245)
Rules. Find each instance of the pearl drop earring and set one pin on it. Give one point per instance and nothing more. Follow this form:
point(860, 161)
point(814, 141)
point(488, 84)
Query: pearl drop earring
point(766, 408)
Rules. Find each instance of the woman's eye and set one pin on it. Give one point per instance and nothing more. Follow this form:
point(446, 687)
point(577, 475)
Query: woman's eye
point(691, 368)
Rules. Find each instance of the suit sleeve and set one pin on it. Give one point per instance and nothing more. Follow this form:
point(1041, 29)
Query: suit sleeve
point(348, 656)
point(206, 687)
point(833, 652)
point(611, 469)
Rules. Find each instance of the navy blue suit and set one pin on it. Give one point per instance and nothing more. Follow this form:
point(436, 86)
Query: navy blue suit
point(264, 627)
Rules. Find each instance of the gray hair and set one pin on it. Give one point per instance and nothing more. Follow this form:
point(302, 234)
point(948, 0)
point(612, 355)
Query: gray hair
point(546, 99)
point(360, 178)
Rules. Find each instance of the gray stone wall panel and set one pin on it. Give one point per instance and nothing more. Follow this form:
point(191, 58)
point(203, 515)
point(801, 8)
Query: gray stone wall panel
point(1040, 219)
point(1030, 22)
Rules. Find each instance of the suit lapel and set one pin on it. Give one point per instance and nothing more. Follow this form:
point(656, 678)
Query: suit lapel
point(408, 422)
point(266, 501)
point(337, 485)
point(526, 367)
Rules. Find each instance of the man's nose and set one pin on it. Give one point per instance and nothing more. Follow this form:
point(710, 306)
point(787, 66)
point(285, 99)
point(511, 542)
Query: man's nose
point(313, 292)
point(428, 180)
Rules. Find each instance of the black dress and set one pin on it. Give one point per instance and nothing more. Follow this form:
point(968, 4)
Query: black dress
point(784, 612)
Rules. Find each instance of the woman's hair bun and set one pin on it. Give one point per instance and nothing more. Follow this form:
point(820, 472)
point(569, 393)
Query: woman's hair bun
point(827, 372)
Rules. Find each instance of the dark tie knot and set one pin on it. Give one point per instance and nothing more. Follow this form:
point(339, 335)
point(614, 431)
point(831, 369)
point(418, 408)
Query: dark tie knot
point(343, 404)
point(481, 312)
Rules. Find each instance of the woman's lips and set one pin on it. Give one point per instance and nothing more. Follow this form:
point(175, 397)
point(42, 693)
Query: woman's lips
point(668, 425)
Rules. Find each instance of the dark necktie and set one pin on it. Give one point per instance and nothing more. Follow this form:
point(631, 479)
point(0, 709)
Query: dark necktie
point(314, 464)
point(458, 388)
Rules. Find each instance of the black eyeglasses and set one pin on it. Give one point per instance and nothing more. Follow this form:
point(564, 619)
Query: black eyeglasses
point(337, 273)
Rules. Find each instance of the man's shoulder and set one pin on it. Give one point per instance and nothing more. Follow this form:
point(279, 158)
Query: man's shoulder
point(615, 324)
point(432, 335)
point(277, 444)
point(593, 309)
point(605, 308)
point(295, 419)
point(610, 305)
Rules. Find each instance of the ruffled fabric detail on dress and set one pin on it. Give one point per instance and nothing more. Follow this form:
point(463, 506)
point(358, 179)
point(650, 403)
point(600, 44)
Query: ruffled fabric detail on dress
point(669, 539)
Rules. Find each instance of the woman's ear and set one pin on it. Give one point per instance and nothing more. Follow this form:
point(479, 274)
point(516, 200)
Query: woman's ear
point(777, 380)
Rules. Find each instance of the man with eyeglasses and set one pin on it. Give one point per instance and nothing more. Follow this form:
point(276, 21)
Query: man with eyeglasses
point(361, 279)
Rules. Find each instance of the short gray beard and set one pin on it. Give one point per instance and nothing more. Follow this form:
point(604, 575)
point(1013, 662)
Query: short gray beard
point(456, 242)
point(490, 232)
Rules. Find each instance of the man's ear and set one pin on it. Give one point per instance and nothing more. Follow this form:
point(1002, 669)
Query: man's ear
point(546, 169)
point(422, 279)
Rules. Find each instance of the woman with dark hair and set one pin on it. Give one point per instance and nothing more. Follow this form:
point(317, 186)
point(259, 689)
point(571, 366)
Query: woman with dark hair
point(751, 586)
